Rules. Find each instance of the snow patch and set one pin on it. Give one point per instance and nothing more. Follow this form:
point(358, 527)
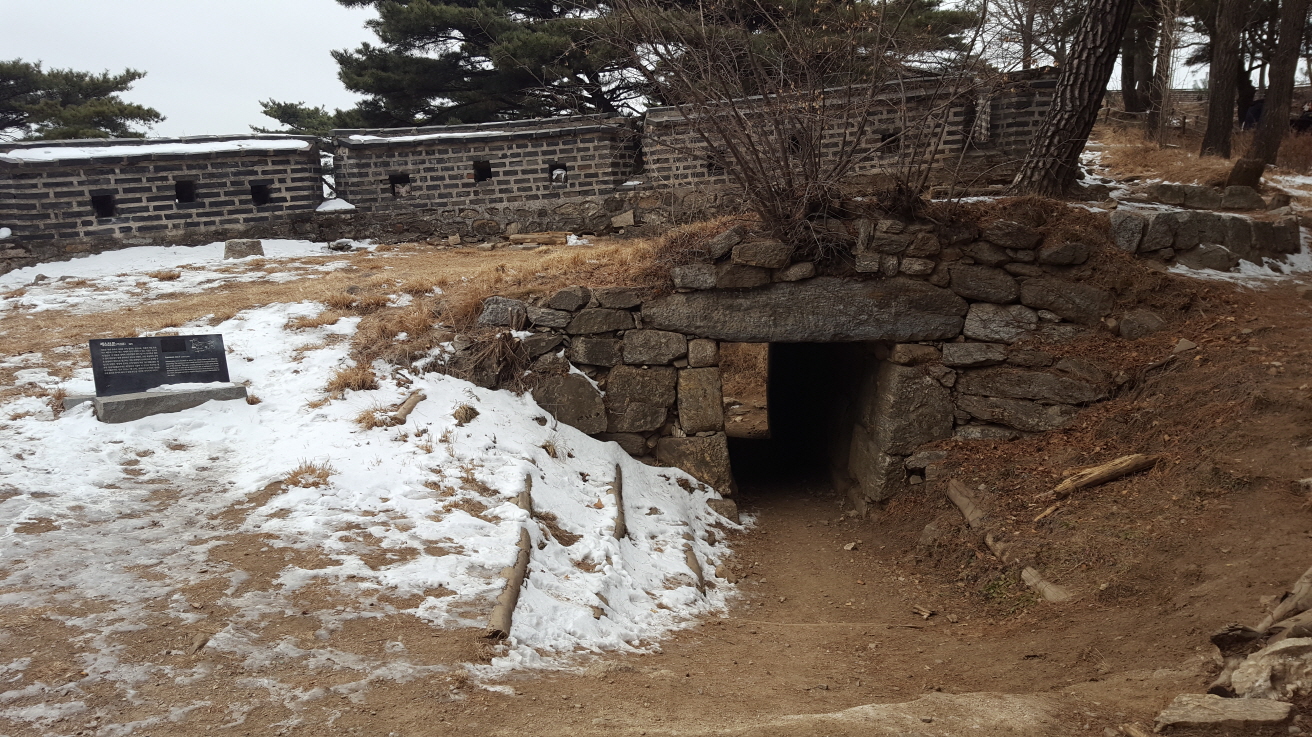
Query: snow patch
point(60, 153)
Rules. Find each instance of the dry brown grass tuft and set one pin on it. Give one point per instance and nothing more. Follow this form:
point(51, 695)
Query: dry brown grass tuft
point(420, 285)
point(359, 377)
point(310, 475)
point(252, 399)
point(374, 417)
point(464, 414)
point(164, 275)
point(327, 317)
point(57, 401)
point(369, 303)
point(340, 301)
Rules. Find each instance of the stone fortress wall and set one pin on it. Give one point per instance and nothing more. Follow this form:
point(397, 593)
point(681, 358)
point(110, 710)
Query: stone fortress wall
point(919, 345)
point(585, 174)
point(60, 198)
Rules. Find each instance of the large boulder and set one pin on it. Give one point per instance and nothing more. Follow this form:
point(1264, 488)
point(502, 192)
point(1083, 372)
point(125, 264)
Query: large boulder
point(1010, 383)
point(1208, 710)
point(740, 276)
point(1127, 229)
point(1139, 323)
point(998, 323)
point(1281, 672)
point(1064, 253)
point(768, 254)
point(819, 310)
point(984, 284)
point(694, 276)
point(701, 400)
point(1021, 414)
point(705, 459)
point(573, 400)
point(1208, 256)
point(1075, 301)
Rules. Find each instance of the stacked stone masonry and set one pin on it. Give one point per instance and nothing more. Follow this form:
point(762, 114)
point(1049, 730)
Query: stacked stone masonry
point(66, 197)
point(935, 322)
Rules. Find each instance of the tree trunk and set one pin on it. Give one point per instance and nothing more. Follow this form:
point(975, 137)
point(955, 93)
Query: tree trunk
point(1052, 162)
point(1160, 92)
point(1280, 90)
point(1143, 70)
point(1222, 79)
point(1245, 92)
point(1129, 91)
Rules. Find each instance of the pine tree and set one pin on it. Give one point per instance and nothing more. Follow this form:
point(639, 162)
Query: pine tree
point(64, 103)
point(440, 62)
point(302, 120)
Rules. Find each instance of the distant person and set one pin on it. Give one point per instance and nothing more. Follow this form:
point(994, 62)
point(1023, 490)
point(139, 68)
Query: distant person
point(1254, 114)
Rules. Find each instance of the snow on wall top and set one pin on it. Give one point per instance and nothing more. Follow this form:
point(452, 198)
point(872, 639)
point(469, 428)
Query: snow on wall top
point(35, 154)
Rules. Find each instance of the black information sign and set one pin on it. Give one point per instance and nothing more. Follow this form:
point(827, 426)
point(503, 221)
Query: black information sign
point(126, 365)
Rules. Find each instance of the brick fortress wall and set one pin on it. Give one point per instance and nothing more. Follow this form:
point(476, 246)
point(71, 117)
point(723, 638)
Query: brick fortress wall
point(586, 174)
point(67, 197)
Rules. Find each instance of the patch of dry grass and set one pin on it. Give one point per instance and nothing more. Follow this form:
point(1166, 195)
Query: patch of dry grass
point(170, 275)
point(310, 475)
point(358, 377)
point(1128, 154)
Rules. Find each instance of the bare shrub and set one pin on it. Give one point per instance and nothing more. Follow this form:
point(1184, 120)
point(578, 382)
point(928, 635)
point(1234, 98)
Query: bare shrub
point(790, 101)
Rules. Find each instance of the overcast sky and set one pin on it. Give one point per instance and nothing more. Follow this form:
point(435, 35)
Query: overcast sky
point(208, 63)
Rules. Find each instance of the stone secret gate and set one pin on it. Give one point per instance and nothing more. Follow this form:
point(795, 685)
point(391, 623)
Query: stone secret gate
point(932, 320)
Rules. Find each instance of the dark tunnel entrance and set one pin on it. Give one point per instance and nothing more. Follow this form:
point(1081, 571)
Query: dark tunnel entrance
point(812, 392)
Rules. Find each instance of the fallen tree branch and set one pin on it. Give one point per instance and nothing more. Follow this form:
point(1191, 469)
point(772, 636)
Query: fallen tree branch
point(1049, 591)
point(1098, 475)
point(499, 622)
point(970, 509)
point(403, 412)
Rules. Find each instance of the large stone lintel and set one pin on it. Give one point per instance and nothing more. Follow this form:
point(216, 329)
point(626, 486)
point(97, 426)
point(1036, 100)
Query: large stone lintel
point(824, 309)
point(129, 407)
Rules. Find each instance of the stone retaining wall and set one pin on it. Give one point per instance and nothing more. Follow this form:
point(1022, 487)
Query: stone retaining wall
point(940, 307)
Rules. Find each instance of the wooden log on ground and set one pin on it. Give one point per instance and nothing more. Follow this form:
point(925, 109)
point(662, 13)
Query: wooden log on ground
point(503, 613)
point(970, 509)
point(1049, 591)
point(551, 238)
point(617, 491)
point(695, 566)
point(1297, 601)
point(1098, 475)
point(403, 412)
